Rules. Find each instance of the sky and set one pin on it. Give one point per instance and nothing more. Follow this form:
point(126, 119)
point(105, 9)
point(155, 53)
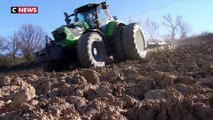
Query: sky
point(197, 13)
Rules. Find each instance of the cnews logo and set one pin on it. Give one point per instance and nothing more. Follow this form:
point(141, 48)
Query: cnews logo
point(24, 10)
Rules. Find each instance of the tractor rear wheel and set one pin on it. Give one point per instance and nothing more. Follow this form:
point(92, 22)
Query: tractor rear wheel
point(91, 50)
point(117, 46)
point(133, 42)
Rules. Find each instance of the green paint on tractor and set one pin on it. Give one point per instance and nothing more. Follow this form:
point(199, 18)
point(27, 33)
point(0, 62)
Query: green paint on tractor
point(111, 28)
point(82, 24)
point(70, 40)
point(69, 36)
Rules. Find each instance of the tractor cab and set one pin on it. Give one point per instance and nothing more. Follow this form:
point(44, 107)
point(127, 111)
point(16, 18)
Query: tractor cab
point(87, 14)
point(95, 15)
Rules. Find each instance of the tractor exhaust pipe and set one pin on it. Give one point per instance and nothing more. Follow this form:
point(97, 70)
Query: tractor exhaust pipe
point(46, 39)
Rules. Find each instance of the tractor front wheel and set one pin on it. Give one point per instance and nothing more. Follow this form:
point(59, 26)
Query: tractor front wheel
point(91, 50)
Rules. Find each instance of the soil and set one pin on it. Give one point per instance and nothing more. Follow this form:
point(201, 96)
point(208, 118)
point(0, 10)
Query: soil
point(168, 84)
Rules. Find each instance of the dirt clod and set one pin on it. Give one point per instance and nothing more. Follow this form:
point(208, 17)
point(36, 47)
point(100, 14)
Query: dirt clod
point(175, 84)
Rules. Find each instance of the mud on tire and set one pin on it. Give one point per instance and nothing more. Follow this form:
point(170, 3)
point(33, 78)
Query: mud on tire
point(91, 50)
point(133, 42)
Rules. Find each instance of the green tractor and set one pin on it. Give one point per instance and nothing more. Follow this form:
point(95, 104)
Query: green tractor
point(93, 37)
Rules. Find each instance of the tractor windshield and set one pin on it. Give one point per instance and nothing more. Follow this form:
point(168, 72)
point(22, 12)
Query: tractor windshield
point(88, 16)
point(94, 15)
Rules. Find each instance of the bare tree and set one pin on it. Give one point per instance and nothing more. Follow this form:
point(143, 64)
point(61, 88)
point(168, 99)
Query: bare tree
point(184, 30)
point(15, 46)
point(151, 28)
point(172, 26)
point(4, 46)
point(138, 21)
point(130, 19)
point(31, 38)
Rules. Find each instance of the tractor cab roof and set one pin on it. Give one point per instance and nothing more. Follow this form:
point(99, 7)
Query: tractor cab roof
point(88, 7)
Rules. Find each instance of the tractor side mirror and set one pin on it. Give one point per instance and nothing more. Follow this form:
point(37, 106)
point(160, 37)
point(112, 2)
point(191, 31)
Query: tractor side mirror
point(115, 17)
point(104, 5)
point(76, 19)
point(67, 19)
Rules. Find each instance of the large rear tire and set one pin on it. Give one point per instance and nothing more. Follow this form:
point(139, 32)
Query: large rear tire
point(133, 42)
point(91, 50)
point(117, 45)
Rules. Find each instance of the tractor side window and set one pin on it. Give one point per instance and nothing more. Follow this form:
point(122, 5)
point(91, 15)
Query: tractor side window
point(79, 18)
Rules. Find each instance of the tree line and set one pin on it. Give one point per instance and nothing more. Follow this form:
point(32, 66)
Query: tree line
point(21, 45)
point(174, 26)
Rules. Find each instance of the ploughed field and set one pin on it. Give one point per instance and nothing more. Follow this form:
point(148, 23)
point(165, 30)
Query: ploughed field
point(175, 84)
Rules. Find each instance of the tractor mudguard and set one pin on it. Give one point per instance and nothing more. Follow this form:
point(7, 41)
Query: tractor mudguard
point(49, 53)
point(111, 27)
point(95, 30)
point(109, 32)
